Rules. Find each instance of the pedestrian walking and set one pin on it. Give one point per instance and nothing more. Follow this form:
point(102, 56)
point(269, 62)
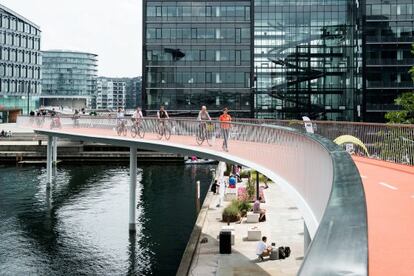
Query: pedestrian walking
point(224, 119)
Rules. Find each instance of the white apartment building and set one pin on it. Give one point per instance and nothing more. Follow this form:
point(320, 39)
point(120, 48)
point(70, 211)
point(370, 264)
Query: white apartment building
point(111, 94)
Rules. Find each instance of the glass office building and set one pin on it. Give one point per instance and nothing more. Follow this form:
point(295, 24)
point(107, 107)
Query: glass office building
point(198, 53)
point(388, 35)
point(333, 60)
point(69, 79)
point(306, 59)
point(20, 62)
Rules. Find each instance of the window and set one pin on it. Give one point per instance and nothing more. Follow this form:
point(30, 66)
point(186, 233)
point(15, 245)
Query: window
point(209, 77)
point(238, 57)
point(238, 35)
point(193, 33)
point(151, 11)
point(158, 33)
point(209, 11)
point(158, 11)
point(202, 55)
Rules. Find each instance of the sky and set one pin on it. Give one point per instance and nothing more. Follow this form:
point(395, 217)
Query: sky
point(110, 28)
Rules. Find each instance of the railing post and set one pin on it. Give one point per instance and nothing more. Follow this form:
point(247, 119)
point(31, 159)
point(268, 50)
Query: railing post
point(55, 151)
point(49, 159)
point(132, 188)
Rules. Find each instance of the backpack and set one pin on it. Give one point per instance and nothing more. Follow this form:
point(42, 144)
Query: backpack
point(282, 254)
point(287, 251)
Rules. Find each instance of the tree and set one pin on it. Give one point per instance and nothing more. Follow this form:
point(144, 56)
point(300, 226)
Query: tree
point(406, 102)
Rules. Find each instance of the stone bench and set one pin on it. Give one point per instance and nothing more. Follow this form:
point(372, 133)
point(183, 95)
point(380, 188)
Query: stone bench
point(254, 234)
point(252, 217)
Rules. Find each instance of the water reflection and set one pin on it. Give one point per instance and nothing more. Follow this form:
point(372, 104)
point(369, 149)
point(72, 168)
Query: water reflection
point(79, 223)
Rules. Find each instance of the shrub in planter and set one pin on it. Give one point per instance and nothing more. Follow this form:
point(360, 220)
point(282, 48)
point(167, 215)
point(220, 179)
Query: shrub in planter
point(231, 213)
point(244, 206)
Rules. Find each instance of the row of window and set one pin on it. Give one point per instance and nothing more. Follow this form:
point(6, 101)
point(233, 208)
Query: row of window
point(295, 5)
point(12, 23)
point(19, 86)
point(19, 71)
point(389, 9)
point(17, 40)
point(392, 30)
point(59, 60)
point(21, 56)
point(194, 78)
point(234, 34)
point(186, 10)
point(213, 99)
point(236, 56)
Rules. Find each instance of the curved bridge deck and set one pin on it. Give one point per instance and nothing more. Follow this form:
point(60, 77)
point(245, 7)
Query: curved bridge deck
point(389, 190)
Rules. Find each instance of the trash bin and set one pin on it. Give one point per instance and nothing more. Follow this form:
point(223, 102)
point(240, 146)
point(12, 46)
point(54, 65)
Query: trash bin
point(225, 242)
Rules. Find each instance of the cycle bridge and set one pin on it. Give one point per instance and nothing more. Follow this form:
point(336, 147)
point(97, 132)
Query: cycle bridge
point(354, 228)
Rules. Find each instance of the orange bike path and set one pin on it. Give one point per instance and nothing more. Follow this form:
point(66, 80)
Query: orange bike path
point(389, 190)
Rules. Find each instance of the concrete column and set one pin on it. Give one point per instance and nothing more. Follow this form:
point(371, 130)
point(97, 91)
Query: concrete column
point(55, 151)
point(306, 236)
point(49, 159)
point(132, 188)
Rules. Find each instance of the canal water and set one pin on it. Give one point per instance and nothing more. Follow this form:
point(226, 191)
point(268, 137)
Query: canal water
point(80, 225)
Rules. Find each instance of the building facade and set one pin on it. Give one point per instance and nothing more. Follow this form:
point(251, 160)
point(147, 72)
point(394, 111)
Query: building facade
point(69, 79)
point(388, 36)
point(110, 94)
point(133, 92)
point(307, 59)
point(329, 60)
point(20, 62)
point(197, 53)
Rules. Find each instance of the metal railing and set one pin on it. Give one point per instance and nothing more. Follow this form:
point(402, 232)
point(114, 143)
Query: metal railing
point(321, 177)
point(388, 142)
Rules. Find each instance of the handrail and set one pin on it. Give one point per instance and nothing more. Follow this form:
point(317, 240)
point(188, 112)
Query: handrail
point(319, 175)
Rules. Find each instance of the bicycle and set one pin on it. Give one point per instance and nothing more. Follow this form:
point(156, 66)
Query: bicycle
point(202, 134)
point(163, 130)
point(121, 128)
point(137, 129)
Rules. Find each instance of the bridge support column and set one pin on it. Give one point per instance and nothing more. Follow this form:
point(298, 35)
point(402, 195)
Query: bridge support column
point(55, 151)
point(306, 236)
point(132, 188)
point(49, 159)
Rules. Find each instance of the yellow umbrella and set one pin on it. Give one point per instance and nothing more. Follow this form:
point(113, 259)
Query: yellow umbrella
point(350, 139)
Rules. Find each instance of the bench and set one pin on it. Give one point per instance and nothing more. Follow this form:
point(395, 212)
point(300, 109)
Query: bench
point(252, 217)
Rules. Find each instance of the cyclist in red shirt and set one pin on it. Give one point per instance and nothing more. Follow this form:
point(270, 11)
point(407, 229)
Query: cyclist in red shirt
point(224, 119)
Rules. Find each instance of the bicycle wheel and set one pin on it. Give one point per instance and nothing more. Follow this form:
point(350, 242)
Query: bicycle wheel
point(118, 130)
point(159, 131)
point(124, 130)
point(167, 133)
point(134, 131)
point(199, 137)
point(207, 137)
point(141, 132)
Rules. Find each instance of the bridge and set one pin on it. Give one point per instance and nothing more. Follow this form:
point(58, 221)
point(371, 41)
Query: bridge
point(350, 227)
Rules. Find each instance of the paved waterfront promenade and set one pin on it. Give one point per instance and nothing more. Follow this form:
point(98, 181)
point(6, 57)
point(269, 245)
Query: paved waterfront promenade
point(284, 226)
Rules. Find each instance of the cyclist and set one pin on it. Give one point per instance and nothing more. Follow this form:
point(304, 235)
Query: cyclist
point(120, 118)
point(137, 116)
point(224, 119)
point(75, 118)
point(162, 115)
point(203, 116)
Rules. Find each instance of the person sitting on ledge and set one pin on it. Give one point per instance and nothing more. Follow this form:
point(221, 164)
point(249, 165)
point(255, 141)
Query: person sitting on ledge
point(262, 249)
point(258, 210)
